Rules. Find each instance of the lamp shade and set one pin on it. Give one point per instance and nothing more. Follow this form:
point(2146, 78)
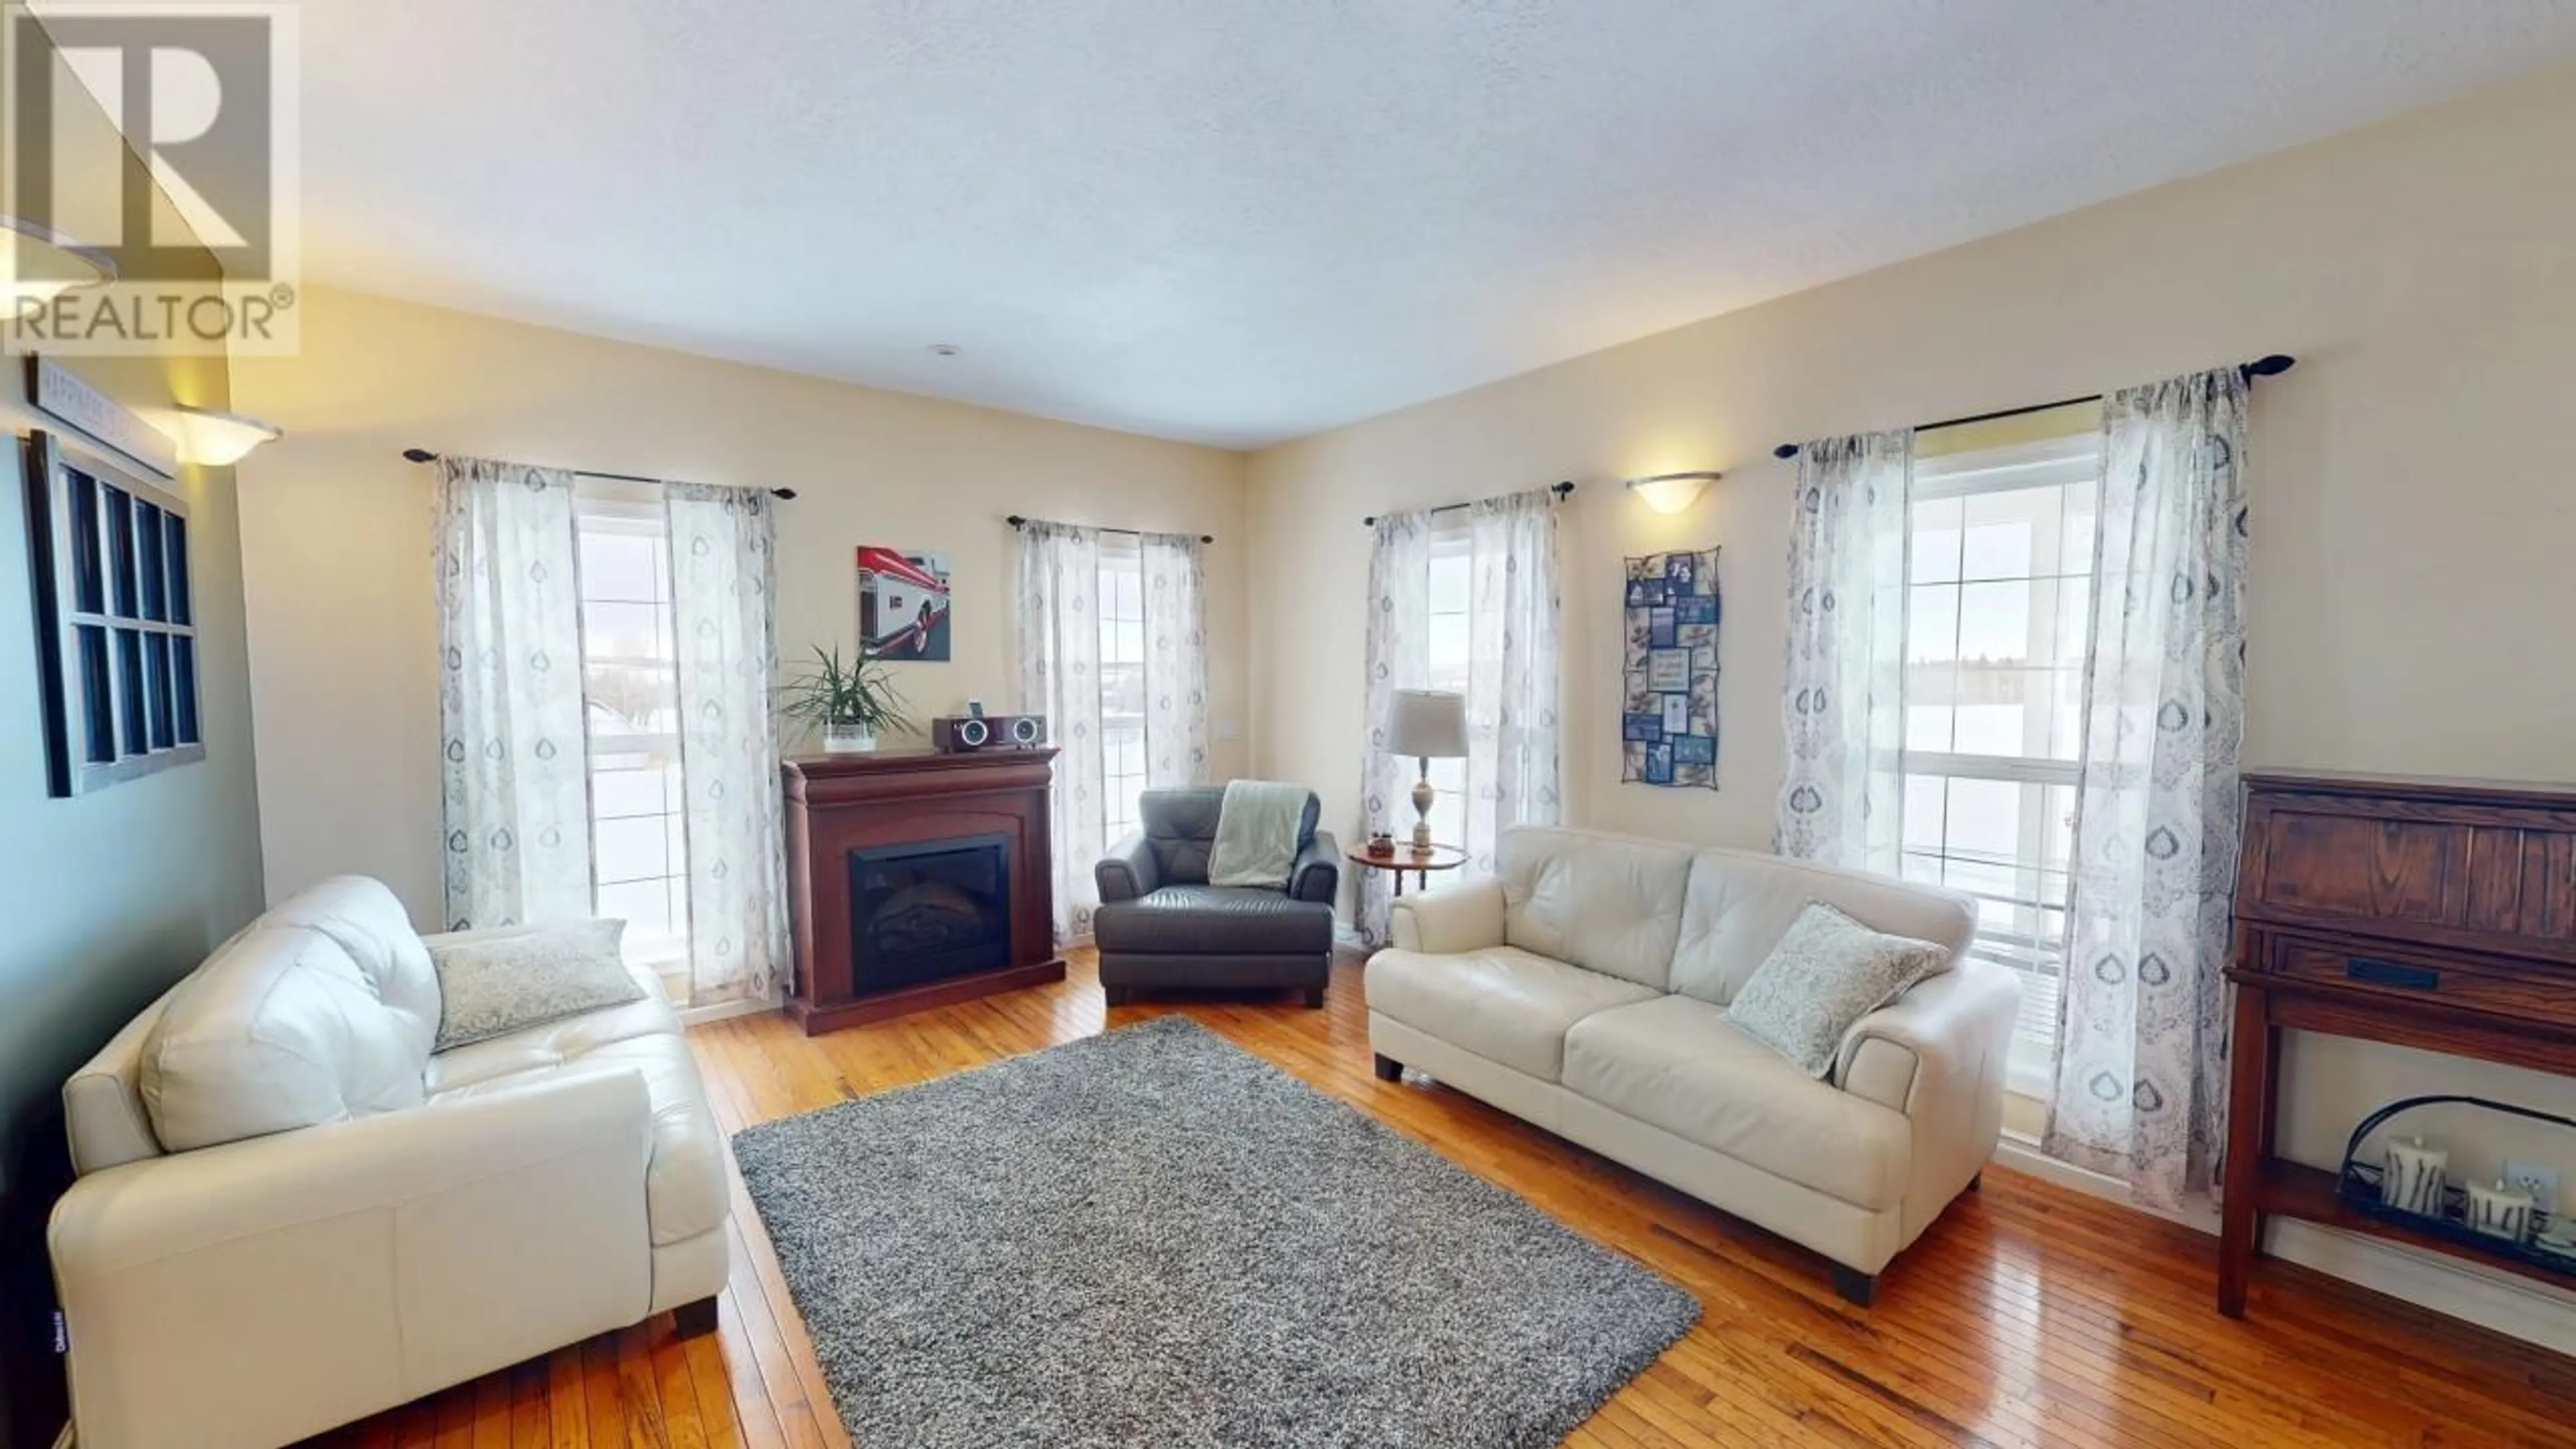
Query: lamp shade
point(219, 439)
point(1671, 492)
point(1427, 724)
point(36, 262)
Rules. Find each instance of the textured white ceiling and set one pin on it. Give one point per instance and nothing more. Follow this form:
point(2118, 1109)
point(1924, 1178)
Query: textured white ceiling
point(1239, 221)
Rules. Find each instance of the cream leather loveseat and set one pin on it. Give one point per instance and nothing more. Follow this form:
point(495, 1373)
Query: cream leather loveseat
point(290, 1214)
point(1585, 989)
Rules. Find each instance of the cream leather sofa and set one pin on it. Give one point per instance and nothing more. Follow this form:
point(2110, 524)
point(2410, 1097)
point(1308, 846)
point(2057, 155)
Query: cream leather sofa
point(291, 1214)
point(1585, 990)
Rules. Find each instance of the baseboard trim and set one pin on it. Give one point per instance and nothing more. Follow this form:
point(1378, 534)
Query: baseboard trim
point(726, 1010)
point(2510, 1306)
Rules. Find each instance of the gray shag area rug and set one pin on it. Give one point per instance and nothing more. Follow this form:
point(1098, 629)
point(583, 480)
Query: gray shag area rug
point(1151, 1237)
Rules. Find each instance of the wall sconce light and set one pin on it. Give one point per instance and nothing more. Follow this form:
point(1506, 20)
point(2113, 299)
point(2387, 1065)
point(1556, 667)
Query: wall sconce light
point(218, 439)
point(1672, 492)
point(37, 263)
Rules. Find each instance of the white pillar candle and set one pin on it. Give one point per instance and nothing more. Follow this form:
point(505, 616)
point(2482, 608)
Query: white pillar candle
point(2500, 1211)
point(2412, 1179)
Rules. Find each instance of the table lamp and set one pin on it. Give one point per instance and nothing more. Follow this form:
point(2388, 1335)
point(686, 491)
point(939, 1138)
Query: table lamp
point(1428, 724)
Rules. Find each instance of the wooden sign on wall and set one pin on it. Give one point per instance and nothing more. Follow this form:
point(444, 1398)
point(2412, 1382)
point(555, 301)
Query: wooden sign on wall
point(58, 393)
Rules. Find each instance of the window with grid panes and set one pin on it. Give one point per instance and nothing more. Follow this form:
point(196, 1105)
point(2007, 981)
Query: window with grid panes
point(1121, 594)
point(1998, 593)
point(630, 683)
point(117, 621)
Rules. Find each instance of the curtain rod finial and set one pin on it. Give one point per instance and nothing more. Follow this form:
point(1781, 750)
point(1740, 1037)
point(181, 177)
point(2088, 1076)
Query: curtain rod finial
point(1785, 450)
point(2271, 365)
point(420, 455)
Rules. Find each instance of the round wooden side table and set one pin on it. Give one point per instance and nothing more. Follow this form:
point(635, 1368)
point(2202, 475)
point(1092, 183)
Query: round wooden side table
point(1406, 858)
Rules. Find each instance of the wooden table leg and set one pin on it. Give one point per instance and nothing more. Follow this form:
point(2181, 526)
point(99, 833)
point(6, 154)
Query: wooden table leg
point(2253, 1078)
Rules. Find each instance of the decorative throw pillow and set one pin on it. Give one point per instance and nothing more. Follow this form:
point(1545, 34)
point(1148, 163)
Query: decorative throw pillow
point(1827, 972)
point(496, 985)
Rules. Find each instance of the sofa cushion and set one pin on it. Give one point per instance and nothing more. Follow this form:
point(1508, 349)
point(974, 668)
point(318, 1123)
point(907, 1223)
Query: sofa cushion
point(1606, 903)
point(555, 1043)
point(1741, 902)
point(1509, 1006)
point(490, 988)
point(1215, 920)
point(684, 1183)
point(1827, 973)
point(1680, 1065)
point(366, 920)
point(279, 1029)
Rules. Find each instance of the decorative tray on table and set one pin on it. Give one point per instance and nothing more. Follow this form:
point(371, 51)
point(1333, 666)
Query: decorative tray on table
point(2551, 1242)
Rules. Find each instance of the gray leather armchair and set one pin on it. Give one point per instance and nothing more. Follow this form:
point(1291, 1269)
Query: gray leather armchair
point(1160, 924)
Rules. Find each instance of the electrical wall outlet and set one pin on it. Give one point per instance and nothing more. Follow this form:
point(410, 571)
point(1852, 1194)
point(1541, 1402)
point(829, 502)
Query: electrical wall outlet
point(2540, 1182)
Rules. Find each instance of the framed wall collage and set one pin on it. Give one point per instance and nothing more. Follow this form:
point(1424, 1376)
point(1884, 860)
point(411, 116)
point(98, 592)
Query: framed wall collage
point(1668, 717)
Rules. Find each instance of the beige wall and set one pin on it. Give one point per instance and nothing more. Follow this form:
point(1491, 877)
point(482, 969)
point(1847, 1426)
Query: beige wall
point(336, 533)
point(2413, 511)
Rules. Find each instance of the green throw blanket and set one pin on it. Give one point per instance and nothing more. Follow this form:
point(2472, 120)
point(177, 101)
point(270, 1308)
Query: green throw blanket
point(1256, 834)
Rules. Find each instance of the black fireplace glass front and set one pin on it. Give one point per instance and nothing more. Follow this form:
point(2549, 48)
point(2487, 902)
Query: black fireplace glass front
point(927, 910)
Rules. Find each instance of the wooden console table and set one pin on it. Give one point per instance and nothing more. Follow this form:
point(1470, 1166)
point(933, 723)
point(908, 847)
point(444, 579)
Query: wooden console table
point(2438, 914)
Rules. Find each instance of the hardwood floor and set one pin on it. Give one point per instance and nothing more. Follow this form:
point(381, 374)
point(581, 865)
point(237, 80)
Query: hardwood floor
point(2029, 1315)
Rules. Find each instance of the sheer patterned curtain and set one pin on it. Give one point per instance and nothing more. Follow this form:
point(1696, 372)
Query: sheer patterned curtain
point(1513, 671)
point(1843, 701)
point(1176, 725)
point(722, 587)
point(514, 789)
point(1398, 657)
point(1060, 678)
point(2142, 1074)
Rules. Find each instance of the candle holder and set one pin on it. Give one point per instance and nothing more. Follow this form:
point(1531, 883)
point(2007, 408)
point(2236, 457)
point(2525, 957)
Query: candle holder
point(2500, 1211)
point(2497, 1220)
point(2415, 1177)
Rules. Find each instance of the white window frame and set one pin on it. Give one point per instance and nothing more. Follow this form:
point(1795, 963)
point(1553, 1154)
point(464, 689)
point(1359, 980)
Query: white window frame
point(2039, 962)
point(1121, 555)
point(1452, 548)
point(604, 506)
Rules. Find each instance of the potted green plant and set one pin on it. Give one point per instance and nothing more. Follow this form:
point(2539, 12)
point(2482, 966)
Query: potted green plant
point(850, 705)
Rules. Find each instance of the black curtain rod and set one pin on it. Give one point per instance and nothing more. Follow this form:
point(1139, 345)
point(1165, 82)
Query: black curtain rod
point(2270, 366)
point(1022, 521)
point(423, 455)
point(1559, 489)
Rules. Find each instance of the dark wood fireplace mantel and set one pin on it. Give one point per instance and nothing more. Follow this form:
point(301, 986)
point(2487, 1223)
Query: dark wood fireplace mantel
point(840, 804)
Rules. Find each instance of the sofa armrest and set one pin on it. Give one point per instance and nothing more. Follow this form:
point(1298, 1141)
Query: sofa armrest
point(405, 1251)
point(1317, 875)
point(1466, 917)
point(1940, 1049)
point(166, 1206)
point(1128, 871)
